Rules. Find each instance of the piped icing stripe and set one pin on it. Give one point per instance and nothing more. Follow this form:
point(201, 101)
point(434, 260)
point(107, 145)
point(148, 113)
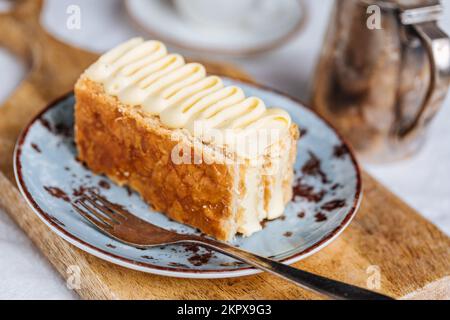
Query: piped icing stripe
point(142, 73)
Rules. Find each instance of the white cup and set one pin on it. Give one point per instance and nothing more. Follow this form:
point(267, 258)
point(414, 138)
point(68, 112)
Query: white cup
point(220, 13)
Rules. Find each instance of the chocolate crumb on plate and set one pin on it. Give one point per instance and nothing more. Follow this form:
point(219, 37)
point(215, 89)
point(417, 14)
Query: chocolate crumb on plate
point(84, 191)
point(307, 192)
point(340, 151)
point(104, 184)
point(336, 186)
point(36, 148)
point(303, 132)
point(320, 217)
point(191, 248)
point(200, 259)
point(333, 205)
point(46, 124)
point(313, 167)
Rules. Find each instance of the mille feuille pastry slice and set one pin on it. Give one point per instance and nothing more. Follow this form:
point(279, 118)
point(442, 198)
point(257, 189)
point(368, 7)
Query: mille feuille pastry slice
point(193, 148)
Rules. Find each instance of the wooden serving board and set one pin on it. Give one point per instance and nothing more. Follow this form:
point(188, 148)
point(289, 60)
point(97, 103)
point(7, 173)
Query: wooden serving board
point(413, 256)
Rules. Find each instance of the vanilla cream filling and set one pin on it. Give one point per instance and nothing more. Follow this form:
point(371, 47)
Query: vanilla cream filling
point(253, 208)
point(144, 74)
point(277, 203)
point(251, 204)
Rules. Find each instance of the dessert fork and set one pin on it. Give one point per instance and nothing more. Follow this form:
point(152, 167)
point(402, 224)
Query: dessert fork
point(129, 229)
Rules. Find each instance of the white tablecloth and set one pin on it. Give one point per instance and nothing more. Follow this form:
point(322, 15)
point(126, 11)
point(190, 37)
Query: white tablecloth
point(423, 182)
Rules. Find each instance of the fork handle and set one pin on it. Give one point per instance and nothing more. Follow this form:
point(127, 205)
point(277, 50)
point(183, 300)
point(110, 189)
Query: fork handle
point(306, 280)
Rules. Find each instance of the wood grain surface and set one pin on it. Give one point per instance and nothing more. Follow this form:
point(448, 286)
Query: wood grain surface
point(412, 255)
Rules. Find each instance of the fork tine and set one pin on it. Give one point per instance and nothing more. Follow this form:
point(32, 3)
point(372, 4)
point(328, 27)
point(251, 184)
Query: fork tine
point(108, 205)
point(103, 210)
point(93, 212)
point(88, 217)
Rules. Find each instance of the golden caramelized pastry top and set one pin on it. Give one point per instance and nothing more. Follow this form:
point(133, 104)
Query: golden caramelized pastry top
point(144, 74)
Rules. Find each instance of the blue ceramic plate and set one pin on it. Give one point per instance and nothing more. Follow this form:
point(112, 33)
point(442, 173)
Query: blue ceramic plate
point(327, 194)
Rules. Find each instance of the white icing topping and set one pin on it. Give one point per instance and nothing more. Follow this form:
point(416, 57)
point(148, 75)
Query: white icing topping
point(143, 74)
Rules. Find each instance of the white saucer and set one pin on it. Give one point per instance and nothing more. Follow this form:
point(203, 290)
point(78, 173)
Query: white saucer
point(161, 20)
point(327, 195)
